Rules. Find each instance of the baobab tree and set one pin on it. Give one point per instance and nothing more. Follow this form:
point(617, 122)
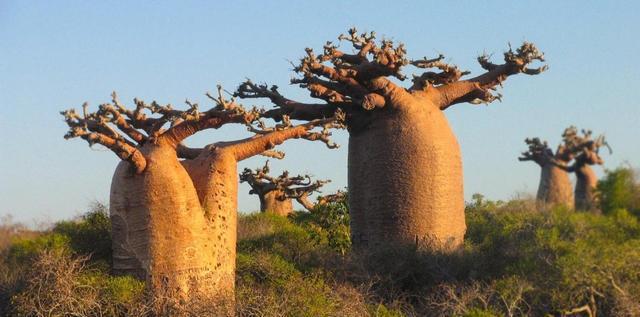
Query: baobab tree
point(555, 186)
point(174, 222)
point(404, 165)
point(586, 154)
point(276, 193)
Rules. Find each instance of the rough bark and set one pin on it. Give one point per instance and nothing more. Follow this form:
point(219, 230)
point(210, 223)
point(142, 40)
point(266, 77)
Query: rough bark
point(405, 171)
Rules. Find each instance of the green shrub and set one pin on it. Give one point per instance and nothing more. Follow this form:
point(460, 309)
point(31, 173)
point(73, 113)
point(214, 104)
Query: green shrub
point(282, 271)
point(564, 257)
point(287, 239)
point(90, 234)
point(269, 285)
point(328, 224)
point(620, 189)
point(23, 250)
point(257, 225)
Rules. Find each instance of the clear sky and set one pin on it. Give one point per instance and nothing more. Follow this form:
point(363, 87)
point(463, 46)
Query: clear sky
point(58, 54)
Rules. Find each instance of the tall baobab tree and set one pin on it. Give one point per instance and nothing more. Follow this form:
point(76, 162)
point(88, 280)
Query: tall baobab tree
point(404, 165)
point(276, 193)
point(586, 154)
point(174, 222)
point(555, 186)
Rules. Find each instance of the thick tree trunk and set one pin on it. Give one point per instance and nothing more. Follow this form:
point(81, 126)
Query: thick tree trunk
point(271, 203)
point(214, 174)
point(405, 180)
point(585, 188)
point(555, 187)
point(160, 232)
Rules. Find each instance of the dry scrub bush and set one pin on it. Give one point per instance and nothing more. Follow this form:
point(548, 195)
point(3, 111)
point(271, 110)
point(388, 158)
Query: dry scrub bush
point(58, 284)
point(53, 287)
point(10, 276)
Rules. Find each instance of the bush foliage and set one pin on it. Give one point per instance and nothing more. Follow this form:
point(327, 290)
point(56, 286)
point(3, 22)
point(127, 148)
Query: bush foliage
point(620, 189)
point(517, 261)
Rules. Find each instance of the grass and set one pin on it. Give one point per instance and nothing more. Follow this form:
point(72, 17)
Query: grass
point(517, 261)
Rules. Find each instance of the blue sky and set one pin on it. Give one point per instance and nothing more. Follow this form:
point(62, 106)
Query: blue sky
point(56, 55)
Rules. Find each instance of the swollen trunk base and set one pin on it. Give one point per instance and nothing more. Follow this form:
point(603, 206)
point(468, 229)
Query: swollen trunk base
point(555, 187)
point(405, 181)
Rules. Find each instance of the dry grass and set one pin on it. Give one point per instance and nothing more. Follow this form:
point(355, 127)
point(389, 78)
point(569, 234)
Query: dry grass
point(10, 230)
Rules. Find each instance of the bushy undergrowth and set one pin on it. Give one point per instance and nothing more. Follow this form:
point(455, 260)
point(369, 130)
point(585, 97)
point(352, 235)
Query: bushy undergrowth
point(620, 189)
point(64, 271)
point(517, 261)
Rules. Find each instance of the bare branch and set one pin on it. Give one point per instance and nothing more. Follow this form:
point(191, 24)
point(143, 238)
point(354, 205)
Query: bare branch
point(249, 147)
point(119, 128)
point(332, 198)
point(93, 129)
point(478, 89)
point(273, 154)
point(293, 109)
point(538, 152)
point(192, 121)
point(449, 73)
point(116, 117)
point(583, 147)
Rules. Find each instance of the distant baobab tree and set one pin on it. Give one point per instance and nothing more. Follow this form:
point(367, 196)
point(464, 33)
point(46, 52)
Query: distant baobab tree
point(404, 166)
point(173, 208)
point(586, 154)
point(555, 186)
point(276, 192)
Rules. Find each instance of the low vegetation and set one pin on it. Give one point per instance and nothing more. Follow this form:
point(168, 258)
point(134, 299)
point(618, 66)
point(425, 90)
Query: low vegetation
point(517, 261)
